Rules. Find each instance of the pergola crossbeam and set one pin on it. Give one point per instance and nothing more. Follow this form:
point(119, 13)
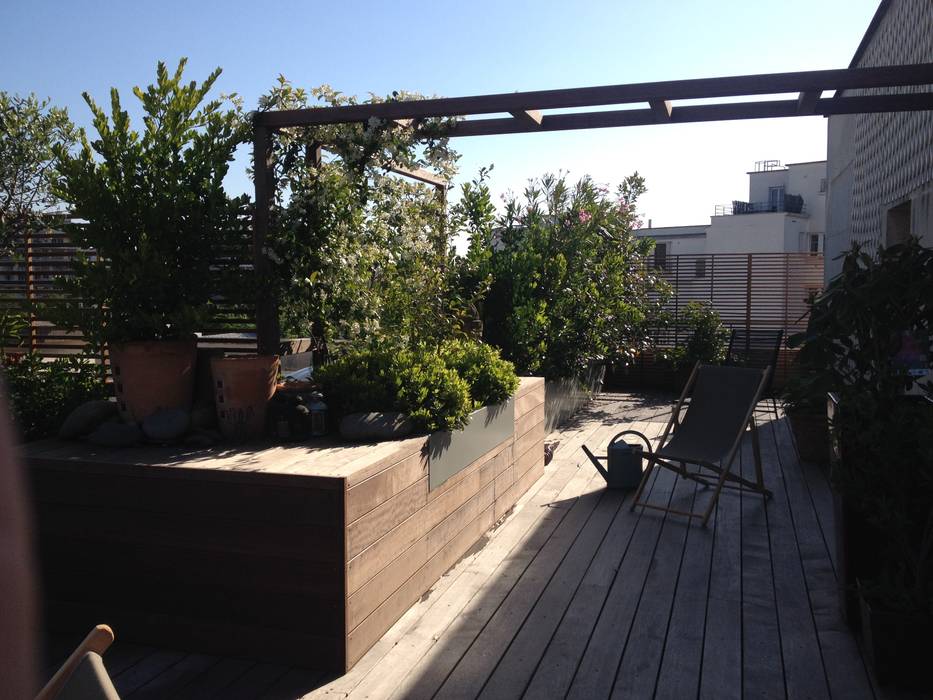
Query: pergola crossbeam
point(697, 113)
point(807, 101)
point(661, 110)
point(529, 116)
point(700, 88)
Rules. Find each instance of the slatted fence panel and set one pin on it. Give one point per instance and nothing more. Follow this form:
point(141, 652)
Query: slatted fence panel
point(759, 291)
point(28, 283)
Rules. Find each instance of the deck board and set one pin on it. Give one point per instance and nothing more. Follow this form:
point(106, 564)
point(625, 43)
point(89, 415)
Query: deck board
point(574, 595)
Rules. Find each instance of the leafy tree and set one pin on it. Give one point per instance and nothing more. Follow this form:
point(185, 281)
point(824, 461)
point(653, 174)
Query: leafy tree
point(568, 286)
point(30, 131)
point(156, 211)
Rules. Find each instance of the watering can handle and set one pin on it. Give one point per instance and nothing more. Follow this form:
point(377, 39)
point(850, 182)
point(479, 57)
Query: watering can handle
point(632, 432)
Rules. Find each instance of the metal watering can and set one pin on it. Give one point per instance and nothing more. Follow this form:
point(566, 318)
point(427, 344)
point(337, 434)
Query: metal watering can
point(623, 461)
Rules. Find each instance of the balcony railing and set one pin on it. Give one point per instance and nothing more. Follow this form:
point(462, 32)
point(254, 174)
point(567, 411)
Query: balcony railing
point(791, 204)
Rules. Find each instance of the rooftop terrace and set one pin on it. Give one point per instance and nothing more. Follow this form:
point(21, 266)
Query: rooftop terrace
point(572, 595)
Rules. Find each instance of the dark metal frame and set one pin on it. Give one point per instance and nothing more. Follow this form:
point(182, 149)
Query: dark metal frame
point(525, 113)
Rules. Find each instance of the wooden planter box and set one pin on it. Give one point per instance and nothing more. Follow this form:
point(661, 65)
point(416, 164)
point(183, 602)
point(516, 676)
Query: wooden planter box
point(302, 554)
point(898, 646)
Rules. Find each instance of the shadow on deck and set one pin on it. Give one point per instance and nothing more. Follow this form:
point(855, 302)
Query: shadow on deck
point(573, 595)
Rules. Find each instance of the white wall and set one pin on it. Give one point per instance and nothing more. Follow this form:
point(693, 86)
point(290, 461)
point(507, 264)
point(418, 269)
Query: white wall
point(758, 184)
point(877, 161)
point(747, 233)
point(804, 179)
point(680, 240)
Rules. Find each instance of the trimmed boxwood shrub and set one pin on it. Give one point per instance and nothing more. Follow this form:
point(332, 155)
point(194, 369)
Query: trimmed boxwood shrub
point(384, 378)
point(491, 379)
point(437, 388)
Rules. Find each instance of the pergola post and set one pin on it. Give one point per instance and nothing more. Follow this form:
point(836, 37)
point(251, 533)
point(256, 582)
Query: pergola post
point(268, 338)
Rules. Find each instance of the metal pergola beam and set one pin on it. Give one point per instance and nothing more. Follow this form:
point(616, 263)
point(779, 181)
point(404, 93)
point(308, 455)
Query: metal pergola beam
point(768, 109)
point(525, 110)
point(701, 88)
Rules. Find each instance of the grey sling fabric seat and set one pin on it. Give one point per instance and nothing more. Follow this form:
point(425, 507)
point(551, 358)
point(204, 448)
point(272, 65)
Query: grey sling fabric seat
point(89, 681)
point(710, 432)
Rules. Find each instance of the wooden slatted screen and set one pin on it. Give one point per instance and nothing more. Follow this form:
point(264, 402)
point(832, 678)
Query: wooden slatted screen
point(28, 278)
point(759, 291)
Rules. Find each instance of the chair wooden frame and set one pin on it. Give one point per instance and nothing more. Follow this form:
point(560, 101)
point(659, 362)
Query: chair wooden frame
point(98, 640)
point(751, 339)
point(722, 476)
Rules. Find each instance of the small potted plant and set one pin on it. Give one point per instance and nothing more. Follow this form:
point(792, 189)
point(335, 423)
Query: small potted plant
point(804, 396)
point(151, 207)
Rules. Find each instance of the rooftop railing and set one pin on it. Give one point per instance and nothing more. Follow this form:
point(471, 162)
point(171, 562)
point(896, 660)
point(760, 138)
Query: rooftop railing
point(791, 204)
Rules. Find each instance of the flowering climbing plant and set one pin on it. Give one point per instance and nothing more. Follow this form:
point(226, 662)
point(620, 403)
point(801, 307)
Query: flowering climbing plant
point(356, 251)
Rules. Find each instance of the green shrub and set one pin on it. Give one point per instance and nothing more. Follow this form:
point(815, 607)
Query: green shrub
point(708, 337)
point(430, 392)
point(491, 379)
point(386, 378)
point(41, 394)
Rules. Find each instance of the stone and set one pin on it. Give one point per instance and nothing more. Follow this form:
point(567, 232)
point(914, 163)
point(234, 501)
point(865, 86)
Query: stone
point(115, 435)
point(86, 417)
point(167, 425)
point(375, 426)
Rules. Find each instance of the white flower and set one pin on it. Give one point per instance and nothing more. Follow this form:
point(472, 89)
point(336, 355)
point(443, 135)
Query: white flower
point(374, 122)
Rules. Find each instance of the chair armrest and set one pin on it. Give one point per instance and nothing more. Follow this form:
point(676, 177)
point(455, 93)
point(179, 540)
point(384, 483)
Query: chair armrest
point(98, 640)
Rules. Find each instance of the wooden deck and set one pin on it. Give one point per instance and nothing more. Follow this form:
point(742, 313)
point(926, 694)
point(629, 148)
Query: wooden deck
point(572, 595)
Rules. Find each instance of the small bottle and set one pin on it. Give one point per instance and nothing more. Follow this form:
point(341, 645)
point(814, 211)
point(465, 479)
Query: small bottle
point(318, 410)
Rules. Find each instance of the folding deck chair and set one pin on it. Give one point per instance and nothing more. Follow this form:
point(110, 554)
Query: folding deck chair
point(83, 676)
point(759, 348)
point(721, 409)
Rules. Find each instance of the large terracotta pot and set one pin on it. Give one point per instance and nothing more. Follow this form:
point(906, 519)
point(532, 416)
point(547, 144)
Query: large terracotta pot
point(151, 375)
point(811, 432)
point(242, 389)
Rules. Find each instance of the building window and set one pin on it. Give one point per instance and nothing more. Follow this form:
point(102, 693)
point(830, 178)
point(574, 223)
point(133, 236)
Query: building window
point(822, 185)
point(898, 224)
point(814, 243)
point(776, 198)
point(660, 255)
point(700, 267)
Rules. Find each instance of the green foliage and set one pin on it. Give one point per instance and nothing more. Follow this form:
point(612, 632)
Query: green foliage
point(430, 392)
point(491, 379)
point(567, 287)
point(860, 328)
point(156, 211)
point(386, 377)
point(708, 337)
point(30, 132)
point(356, 252)
point(41, 394)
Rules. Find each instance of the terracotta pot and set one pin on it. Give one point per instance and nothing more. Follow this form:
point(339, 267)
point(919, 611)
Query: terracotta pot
point(811, 431)
point(151, 375)
point(242, 389)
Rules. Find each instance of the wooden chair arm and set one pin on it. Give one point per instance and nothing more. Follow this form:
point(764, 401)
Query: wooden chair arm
point(98, 640)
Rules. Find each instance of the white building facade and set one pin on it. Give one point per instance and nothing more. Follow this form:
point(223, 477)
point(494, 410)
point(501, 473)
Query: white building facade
point(880, 166)
point(785, 213)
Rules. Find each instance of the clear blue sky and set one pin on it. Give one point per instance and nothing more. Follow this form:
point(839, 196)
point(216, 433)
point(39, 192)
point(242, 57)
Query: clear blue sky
point(60, 48)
